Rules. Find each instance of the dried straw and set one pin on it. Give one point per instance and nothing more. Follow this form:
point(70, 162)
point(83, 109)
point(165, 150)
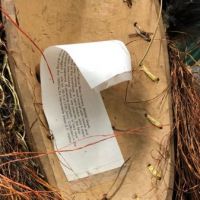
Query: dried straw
point(186, 110)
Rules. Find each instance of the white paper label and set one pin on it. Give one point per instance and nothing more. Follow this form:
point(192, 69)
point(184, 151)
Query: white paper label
point(74, 108)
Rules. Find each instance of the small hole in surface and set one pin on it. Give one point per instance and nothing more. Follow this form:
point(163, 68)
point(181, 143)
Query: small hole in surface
point(37, 73)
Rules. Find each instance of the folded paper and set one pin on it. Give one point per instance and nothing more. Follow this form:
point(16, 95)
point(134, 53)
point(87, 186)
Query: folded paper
point(84, 139)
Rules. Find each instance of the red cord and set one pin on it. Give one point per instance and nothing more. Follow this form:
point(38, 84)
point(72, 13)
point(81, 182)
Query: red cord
point(29, 38)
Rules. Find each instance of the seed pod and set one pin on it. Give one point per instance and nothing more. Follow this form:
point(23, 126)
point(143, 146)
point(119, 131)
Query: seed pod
point(154, 172)
point(153, 121)
point(149, 74)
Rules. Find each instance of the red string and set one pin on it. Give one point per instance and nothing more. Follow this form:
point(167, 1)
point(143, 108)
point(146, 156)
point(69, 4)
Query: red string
point(29, 38)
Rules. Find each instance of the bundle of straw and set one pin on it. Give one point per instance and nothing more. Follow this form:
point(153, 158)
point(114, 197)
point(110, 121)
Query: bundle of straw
point(186, 110)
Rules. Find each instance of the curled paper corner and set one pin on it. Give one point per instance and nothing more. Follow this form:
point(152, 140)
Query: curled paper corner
point(102, 64)
point(126, 76)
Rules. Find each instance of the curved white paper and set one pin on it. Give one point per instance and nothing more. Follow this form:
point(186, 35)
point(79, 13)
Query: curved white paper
point(75, 112)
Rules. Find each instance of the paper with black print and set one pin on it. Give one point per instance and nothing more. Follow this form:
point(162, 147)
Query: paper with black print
point(74, 107)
